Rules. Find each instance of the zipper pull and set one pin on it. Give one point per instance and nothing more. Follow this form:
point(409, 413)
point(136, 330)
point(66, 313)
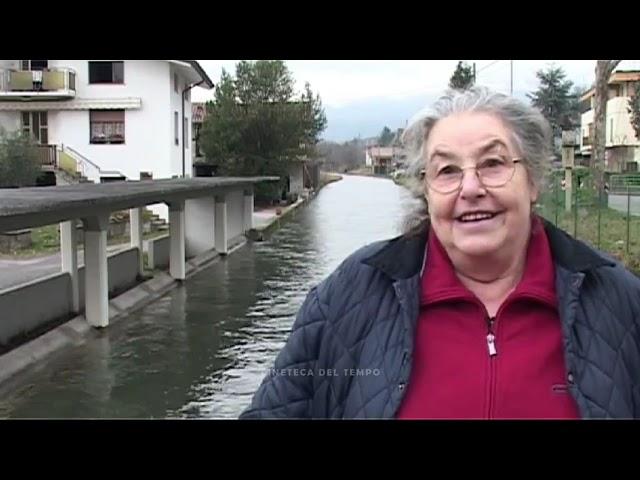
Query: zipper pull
point(491, 338)
point(491, 343)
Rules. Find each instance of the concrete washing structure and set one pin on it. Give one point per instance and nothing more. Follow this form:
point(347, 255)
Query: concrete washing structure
point(205, 215)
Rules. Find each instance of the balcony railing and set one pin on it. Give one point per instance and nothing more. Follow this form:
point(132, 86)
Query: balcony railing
point(55, 83)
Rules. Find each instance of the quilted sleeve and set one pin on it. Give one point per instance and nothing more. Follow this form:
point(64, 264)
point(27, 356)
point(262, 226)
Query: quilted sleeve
point(633, 282)
point(287, 390)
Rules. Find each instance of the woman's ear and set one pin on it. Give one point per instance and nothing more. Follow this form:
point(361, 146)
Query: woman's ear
point(534, 192)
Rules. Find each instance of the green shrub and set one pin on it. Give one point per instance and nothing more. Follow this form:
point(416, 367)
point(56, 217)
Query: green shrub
point(19, 161)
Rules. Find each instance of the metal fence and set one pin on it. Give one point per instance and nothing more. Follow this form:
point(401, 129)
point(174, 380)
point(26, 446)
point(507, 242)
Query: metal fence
point(608, 217)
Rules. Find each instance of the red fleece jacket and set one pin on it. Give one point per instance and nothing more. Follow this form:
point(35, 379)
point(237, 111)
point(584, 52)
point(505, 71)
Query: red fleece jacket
point(467, 365)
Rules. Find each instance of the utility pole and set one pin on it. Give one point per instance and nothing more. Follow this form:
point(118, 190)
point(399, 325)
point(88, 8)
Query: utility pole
point(474, 73)
point(511, 65)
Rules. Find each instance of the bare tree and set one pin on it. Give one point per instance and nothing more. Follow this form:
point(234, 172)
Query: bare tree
point(341, 157)
point(604, 69)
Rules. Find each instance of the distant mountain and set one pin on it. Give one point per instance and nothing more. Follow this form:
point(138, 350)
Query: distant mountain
point(367, 118)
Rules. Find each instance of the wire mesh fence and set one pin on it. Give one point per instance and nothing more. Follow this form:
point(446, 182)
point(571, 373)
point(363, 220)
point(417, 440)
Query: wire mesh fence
point(607, 218)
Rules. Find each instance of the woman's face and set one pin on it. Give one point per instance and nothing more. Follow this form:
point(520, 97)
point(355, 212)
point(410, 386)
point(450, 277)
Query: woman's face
point(476, 219)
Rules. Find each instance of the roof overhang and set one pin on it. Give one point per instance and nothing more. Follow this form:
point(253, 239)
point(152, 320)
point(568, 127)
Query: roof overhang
point(617, 77)
point(622, 76)
point(193, 72)
point(588, 94)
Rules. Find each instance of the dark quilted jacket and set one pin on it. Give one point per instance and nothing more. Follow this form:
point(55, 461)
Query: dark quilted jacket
point(349, 353)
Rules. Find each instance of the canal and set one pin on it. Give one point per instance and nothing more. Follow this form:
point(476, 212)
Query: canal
point(202, 349)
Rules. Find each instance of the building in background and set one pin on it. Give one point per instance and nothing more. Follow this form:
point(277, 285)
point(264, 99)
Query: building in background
point(108, 120)
point(622, 145)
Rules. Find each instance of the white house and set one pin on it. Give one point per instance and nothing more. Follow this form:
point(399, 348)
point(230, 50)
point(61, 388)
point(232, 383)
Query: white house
point(380, 159)
point(112, 119)
point(622, 145)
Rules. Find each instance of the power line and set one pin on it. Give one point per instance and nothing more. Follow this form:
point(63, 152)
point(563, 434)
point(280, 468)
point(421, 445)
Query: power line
point(511, 81)
point(489, 65)
point(493, 63)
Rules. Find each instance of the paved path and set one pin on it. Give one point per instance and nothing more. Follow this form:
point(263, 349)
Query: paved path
point(16, 271)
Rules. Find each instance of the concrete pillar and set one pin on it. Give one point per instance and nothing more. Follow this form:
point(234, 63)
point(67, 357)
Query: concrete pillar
point(135, 227)
point(199, 225)
point(221, 225)
point(568, 162)
point(247, 217)
point(568, 188)
point(96, 274)
point(177, 266)
point(69, 254)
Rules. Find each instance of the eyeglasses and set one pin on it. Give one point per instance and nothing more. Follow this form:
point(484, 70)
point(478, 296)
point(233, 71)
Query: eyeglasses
point(493, 172)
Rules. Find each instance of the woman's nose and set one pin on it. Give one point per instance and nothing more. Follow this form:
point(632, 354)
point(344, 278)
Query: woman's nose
point(471, 185)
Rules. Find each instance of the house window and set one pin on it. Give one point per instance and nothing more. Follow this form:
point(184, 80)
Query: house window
point(36, 125)
point(176, 125)
point(34, 65)
point(26, 123)
point(185, 136)
point(106, 126)
point(175, 82)
point(106, 72)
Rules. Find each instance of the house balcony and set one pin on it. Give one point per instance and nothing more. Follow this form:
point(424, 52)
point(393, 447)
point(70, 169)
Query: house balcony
point(51, 84)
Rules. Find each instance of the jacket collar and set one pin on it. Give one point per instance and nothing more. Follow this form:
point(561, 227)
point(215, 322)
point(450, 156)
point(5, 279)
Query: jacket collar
point(404, 256)
point(441, 283)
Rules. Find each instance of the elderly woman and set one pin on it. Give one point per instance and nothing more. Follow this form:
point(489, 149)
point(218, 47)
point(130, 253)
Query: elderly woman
point(481, 310)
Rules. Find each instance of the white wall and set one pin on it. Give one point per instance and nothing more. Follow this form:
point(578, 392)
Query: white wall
point(296, 178)
point(158, 252)
point(199, 225)
point(145, 128)
point(200, 221)
point(586, 119)
point(10, 64)
point(123, 273)
point(235, 211)
point(10, 121)
point(31, 306)
point(176, 106)
point(188, 154)
point(622, 133)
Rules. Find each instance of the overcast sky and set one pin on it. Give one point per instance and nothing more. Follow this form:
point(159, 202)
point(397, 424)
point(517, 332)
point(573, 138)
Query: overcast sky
point(362, 96)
